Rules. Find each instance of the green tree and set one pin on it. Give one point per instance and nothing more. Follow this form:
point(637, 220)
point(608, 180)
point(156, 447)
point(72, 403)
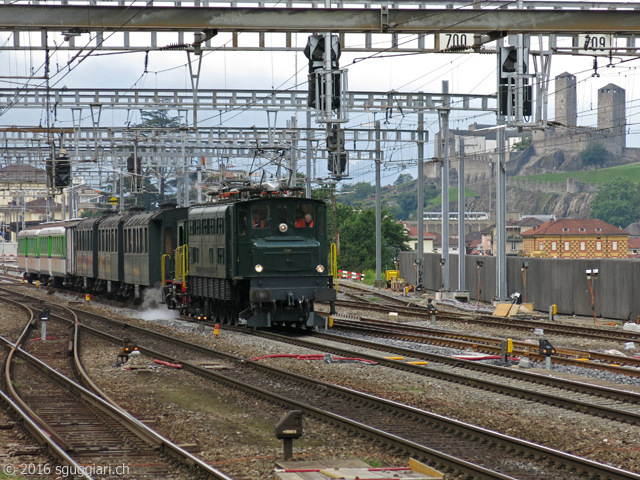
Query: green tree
point(522, 144)
point(158, 118)
point(617, 202)
point(354, 194)
point(358, 238)
point(402, 179)
point(407, 204)
point(595, 154)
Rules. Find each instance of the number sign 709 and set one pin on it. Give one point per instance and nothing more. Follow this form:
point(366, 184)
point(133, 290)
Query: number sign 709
point(590, 43)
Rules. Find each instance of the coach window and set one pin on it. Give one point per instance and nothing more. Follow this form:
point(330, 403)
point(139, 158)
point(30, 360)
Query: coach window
point(220, 255)
point(146, 239)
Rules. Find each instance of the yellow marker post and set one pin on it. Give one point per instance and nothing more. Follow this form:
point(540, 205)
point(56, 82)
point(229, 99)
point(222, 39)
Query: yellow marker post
point(87, 297)
point(216, 330)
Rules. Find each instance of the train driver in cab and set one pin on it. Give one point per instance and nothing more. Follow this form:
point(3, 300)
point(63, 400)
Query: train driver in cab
point(306, 221)
point(258, 222)
point(260, 217)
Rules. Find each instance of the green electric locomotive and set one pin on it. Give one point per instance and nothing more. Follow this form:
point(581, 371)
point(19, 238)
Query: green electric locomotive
point(253, 256)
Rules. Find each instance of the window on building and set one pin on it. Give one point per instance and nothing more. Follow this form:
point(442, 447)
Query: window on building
point(554, 246)
point(567, 246)
point(582, 229)
point(614, 246)
point(583, 246)
point(540, 246)
point(599, 246)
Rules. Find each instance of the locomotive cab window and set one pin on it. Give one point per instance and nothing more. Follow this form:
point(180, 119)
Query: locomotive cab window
point(242, 223)
point(304, 215)
point(260, 216)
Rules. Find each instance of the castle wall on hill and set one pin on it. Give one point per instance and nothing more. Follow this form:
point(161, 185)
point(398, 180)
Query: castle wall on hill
point(571, 185)
point(573, 140)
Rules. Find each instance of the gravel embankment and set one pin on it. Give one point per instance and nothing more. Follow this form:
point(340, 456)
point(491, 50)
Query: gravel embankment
point(236, 433)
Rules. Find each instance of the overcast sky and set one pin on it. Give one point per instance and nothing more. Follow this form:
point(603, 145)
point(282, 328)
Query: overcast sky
point(224, 69)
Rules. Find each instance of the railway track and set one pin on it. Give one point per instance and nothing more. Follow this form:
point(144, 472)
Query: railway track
point(435, 336)
point(86, 434)
point(615, 404)
point(382, 302)
point(444, 443)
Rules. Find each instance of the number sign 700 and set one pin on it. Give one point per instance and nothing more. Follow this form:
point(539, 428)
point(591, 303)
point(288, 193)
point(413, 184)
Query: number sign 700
point(454, 41)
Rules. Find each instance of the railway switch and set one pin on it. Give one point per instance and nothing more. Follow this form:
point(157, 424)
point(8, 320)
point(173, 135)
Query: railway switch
point(506, 348)
point(288, 428)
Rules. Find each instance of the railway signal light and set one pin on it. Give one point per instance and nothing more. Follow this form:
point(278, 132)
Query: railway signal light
point(134, 165)
point(335, 138)
point(337, 163)
point(508, 83)
point(546, 348)
point(315, 51)
point(61, 170)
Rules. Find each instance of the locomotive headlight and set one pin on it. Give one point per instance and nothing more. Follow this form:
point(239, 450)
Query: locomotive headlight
point(258, 268)
point(320, 268)
point(283, 227)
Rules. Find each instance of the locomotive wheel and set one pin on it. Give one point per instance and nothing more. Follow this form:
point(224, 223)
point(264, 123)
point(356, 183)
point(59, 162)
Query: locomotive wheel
point(217, 311)
point(228, 313)
point(235, 313)
point(222, 311)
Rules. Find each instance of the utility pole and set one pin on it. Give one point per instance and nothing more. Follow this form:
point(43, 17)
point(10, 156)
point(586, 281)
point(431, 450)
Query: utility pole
point(444, 131)
point(378, 281)
point(420, 259)
point(500, 245)
point(461, 210)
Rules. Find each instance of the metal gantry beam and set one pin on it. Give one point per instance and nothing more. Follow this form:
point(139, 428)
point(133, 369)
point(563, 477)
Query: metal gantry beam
point(226, 100)
point(100, 18)
point(31, 143)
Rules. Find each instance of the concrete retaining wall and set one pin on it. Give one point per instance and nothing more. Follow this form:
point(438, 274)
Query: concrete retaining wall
point(548, 281)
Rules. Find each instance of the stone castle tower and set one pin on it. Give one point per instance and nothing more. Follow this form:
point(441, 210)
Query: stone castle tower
point(612, 112)
point(566, 100)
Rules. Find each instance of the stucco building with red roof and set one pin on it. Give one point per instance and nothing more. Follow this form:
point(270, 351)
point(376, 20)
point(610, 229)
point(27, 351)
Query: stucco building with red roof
point(576, 238)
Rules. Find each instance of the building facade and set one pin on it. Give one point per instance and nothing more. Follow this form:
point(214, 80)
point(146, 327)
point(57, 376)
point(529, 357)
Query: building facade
point(576, 238)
